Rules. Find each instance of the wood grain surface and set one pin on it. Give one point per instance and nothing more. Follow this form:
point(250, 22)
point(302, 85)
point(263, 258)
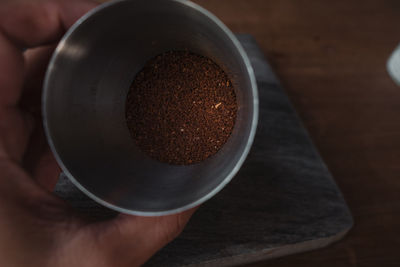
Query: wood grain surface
point(331, 58)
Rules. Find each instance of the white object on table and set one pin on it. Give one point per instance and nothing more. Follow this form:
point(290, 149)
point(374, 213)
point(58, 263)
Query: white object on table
point(393, 65)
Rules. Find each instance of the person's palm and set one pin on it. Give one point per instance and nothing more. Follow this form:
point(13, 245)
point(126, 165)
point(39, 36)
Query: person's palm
point(37, 228)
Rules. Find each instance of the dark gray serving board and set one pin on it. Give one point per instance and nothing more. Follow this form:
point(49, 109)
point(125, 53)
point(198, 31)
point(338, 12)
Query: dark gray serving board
point(283, 200)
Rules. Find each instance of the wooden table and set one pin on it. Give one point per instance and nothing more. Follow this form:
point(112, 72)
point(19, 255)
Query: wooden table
point(331, 58)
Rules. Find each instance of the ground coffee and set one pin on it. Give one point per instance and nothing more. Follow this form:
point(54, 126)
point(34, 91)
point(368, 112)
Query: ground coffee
point(181, 108)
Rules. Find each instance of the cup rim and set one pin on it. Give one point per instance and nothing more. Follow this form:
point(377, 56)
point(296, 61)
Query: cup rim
point(231, 173)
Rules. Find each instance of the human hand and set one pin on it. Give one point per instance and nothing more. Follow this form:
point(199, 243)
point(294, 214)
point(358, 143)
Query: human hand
point(36, 227)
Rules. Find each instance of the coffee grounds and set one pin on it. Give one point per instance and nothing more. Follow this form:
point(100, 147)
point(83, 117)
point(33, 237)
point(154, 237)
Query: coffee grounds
point(181, 108)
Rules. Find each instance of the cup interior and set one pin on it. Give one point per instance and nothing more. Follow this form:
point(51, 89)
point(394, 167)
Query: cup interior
point(84, 104)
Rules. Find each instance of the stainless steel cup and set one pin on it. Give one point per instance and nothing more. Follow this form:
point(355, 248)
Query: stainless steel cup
point(84, 104)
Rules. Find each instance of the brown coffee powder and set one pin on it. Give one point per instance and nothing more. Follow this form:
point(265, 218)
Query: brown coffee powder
point(181, 108)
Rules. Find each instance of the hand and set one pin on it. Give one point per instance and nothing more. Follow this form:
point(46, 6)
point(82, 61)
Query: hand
point(37, 228)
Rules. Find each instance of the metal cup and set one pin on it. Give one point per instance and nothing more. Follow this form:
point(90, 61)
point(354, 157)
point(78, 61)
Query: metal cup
point(85, 89)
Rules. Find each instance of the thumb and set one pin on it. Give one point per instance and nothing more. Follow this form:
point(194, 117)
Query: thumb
point(132, 240)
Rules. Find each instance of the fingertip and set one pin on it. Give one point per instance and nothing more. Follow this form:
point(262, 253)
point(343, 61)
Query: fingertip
point(142, 235)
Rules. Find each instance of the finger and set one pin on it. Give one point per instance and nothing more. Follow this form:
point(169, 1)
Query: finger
point(47, 171)
point(15, 129)
point(32, 23)
point(143, 236)
point(11, 73)
point(36, 61)
point(20, 123)
point(26, 23)
point(38, 159)
point(39, 22)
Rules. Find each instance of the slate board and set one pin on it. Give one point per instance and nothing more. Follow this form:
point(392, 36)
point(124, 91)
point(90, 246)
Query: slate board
point(283, 200)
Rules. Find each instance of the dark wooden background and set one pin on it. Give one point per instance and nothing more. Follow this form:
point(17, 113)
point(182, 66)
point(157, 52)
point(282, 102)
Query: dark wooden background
point(331, 57)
